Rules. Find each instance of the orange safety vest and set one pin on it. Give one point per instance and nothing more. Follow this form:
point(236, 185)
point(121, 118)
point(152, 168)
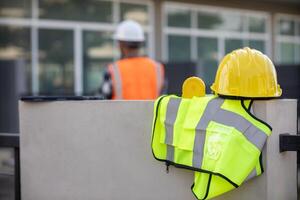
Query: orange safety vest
point(136, 78)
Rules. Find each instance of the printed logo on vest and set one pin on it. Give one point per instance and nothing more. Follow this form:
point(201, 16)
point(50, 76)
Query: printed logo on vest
point(214, 147)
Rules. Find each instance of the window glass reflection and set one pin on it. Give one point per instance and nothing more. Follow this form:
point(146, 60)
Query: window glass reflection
point(286, 27)
point(207, 59)
point(209, 20)
point(220, 21)
point(297, 55)
point(257, 25)
point(56, 62)
point(257, 44)
point(233, 44)
point(15, 8)
point(179, 17)
point(6, 173)
point(14, 43)
point(6, 161)
point(179, 48)
point(144, 49)
point(98, 52)
point(287, 53)
point(78, 10)
point(135, 12)
point(232, 22)
point(15, 48)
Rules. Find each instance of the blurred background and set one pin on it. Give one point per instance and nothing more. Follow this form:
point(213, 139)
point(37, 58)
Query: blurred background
point(61, 47)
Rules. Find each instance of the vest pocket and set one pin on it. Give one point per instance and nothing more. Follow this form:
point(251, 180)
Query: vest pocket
point(228, 152)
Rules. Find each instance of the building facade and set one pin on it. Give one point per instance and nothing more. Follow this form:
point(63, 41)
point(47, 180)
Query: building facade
point(64, 45)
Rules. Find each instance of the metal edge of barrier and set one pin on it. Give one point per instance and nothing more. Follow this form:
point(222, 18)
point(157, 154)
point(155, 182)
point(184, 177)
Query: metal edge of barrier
point(12, 140)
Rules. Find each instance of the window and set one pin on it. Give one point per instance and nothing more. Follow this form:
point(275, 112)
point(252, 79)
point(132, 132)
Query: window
point(56, 62)
point(257, 44)
point(204, 34)
point(72, 40)
point(287, 52)
point(178, 17)
point(207, 58)
point(286, 27)
point(287, 39)
point(208, 20)
point(231, 22)
point(232, 44)
point(15, 8)
point(257, 24)
point(137, 12)
point(15, 46)
point(90, 10)
point(179, 48)
point(7, 173)
point(297, 52)
point(98, 52)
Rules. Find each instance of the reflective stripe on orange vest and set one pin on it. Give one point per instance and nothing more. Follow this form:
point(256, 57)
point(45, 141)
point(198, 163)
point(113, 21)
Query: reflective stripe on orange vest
point(118, 82)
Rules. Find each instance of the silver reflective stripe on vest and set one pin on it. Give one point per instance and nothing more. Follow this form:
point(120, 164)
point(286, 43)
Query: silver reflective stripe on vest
point(251, 132)
point(172, 110)
point(212, 107)
point(256, 136)
point(118, 81)
point(158, 77)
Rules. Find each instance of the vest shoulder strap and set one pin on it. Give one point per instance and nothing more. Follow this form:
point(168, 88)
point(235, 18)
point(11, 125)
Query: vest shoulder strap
point(159, 76)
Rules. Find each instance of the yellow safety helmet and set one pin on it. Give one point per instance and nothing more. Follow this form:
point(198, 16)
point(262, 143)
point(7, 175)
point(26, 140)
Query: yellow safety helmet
point(246, 73)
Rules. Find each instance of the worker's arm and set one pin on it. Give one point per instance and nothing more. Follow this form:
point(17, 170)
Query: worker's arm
point(106, 87)
point(164, 89)
point(164, 84)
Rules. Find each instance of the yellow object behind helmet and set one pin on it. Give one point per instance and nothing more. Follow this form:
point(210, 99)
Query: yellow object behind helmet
point(246, 73)
point(193, 87)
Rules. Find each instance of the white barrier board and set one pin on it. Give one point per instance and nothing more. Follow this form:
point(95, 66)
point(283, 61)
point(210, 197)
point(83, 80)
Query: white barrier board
point(75, 150)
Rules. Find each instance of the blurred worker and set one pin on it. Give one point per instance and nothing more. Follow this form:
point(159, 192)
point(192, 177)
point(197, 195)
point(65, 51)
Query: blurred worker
point(133, 76)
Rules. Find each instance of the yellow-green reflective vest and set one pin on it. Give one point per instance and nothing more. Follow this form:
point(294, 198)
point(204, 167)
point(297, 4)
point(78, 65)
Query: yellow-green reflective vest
point(218, 138)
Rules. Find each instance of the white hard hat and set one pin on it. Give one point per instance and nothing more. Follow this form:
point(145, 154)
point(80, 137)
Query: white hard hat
point(129, 31)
